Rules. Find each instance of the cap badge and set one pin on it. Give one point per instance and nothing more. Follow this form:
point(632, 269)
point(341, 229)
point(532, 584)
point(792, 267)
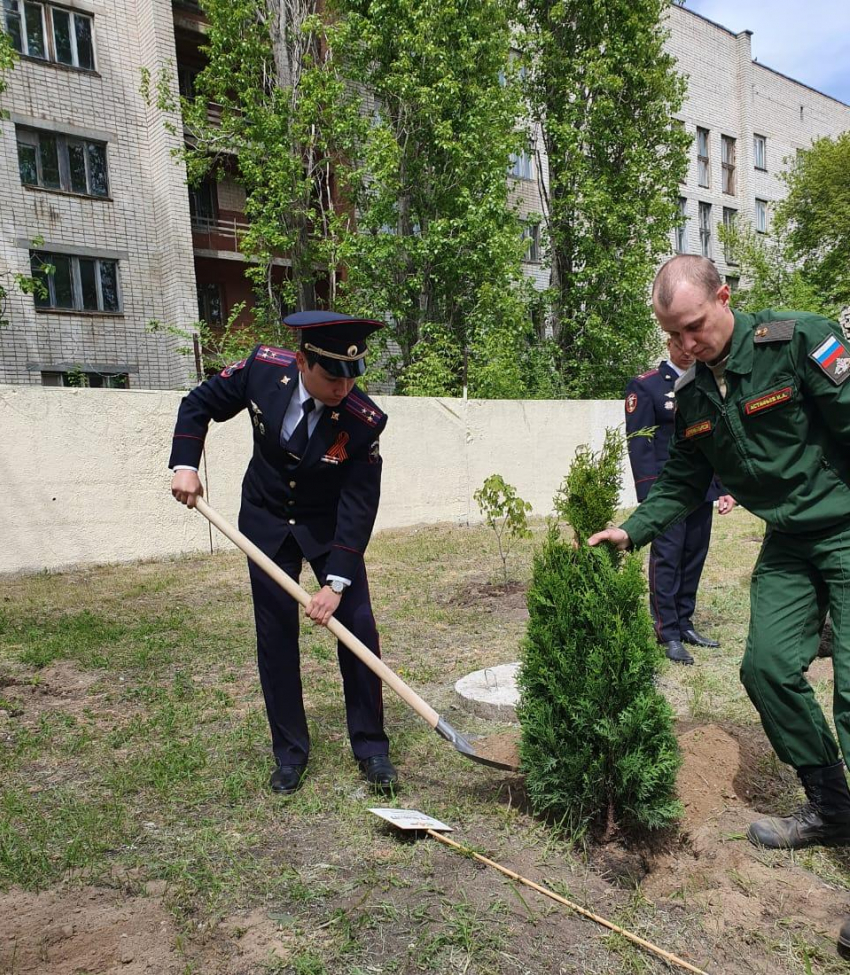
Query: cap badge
point(352, 350)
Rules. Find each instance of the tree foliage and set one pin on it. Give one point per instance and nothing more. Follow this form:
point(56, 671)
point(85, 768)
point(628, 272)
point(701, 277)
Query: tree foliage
point(286, 124)
point(602, 91)
point(597, 746)
point(815, 216)
point(770, 278)
point(439, 248)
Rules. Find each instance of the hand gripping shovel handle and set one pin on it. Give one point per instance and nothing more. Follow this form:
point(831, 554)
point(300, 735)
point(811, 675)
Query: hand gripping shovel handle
point(357, 647)
point(342, 633)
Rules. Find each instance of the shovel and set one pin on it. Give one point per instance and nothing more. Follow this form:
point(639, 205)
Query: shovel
point(357, 647)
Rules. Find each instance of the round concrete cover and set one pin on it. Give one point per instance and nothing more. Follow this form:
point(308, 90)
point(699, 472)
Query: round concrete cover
point(490, 693)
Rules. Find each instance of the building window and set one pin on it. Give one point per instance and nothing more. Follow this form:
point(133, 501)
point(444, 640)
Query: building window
point(727, 160)
point(42, 30)
point(761, 216)
point(729, 218)
point(680, 239)
point(705, 229)
point(53, 161)
point(76, 283)
point(522, 166)
point(702, 157)
point(733, 281)
point(211, 304)
point(531, 234)
point(86, 378)
point(203, 200)
point(760, 152)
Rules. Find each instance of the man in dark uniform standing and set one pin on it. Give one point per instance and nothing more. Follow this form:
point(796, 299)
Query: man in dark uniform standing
point(311, 492)
point(677, 557)
point(767, 406)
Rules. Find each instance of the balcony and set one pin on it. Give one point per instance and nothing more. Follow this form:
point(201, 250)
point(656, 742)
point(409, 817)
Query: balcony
point(218, 233)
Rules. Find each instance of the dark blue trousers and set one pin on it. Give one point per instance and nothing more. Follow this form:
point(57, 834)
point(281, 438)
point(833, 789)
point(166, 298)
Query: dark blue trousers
point(676, 559)
point(277, 618)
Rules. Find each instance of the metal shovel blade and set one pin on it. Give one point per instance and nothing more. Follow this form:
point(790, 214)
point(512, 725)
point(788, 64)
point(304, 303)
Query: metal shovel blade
point(467, 748)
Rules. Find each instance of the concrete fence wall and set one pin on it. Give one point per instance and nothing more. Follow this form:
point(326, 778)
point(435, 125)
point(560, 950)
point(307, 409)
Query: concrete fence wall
point(83, 476)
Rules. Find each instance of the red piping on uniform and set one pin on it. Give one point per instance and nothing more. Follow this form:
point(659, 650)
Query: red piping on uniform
point(347, 549)
point(186, 436)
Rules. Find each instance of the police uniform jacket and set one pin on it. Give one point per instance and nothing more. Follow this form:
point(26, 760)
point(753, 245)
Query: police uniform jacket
point(329, 500)
point(780, 440)
point(650, 402)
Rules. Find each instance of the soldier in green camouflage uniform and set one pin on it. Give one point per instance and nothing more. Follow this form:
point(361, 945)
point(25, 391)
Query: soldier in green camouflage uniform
point(767, 407)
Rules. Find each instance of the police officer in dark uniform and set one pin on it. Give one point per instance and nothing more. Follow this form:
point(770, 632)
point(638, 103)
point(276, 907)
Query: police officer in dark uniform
point(767, 406)
point(677, 557)
point(311, 492)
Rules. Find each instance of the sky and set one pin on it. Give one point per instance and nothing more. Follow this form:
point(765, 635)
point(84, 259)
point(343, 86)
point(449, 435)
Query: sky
point(808, 41)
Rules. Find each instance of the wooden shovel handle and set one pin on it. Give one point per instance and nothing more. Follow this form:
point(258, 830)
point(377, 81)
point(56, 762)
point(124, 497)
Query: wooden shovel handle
point(342, 633)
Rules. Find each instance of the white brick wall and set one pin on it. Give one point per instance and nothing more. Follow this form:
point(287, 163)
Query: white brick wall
point(145, 221)
point(729, 94)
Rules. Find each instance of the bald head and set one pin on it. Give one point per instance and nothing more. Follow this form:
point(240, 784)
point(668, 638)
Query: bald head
point(684, 269)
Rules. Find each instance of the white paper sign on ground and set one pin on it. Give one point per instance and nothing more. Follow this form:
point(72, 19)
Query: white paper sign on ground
point(410, 819)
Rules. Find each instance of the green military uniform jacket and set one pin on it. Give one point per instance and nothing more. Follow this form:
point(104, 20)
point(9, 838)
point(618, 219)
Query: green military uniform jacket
point(779, 441)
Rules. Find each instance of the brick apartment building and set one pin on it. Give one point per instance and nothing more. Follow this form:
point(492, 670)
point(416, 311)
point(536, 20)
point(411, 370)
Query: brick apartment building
point(89, 183)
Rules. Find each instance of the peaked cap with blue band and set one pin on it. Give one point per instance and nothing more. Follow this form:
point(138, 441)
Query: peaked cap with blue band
point(338, 340)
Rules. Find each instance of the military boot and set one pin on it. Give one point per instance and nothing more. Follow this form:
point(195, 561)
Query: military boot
point(822, 821)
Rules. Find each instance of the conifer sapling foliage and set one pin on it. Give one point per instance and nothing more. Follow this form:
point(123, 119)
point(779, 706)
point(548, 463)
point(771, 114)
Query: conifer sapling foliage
point(597, 745)
point(505, 512)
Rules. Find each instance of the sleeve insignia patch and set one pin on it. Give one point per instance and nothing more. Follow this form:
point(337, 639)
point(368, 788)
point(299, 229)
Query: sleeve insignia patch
point(375, 452)
point(765, 402)
point(833, 359)
point(698, 429)
point(228, 371)
point(631, 402)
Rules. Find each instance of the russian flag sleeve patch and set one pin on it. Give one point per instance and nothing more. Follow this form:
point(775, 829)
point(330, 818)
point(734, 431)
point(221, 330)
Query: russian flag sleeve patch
point(833, 359)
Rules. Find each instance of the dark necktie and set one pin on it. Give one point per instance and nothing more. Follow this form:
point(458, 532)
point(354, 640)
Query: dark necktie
point(300, 435)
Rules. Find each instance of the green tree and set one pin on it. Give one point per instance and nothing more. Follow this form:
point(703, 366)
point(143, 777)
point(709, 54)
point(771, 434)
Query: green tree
point(769, 276)
point(603, 91)
point(597, 745)
point(287, 121)
point(815, 216)
point(505, 512)
point(439, 249)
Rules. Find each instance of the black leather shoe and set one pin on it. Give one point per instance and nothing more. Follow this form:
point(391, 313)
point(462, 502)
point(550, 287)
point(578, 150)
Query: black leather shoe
point(380, 773)
point(287, 779)
point(698, 640)
point(676, 651)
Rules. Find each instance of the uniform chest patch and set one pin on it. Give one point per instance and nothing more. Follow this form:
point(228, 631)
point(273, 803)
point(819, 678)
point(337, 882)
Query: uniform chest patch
point(833, 359)
point(767, 400)
point(698, 429)
point(631, 402)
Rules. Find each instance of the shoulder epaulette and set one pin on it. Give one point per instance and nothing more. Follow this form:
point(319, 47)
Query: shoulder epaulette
point(775, 331)
point(279, 357)
point(646, 375)
point(365, 410)
point(685, 378)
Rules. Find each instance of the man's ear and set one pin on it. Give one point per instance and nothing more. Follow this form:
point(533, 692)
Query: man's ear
point(301, 361)
point(723, 294)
